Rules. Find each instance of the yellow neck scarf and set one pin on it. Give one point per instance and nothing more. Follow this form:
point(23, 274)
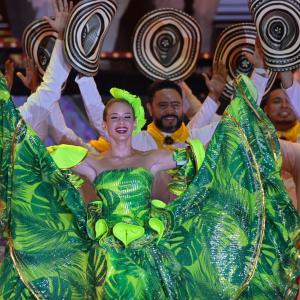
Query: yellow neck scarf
point(180, 135)
point(101, 145)
point(290, 135)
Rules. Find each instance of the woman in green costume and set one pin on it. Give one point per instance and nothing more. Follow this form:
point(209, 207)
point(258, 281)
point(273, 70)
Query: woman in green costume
point(232, 234)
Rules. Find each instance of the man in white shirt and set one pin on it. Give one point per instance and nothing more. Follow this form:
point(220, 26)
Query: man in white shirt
point(282, 107)
point(144, 140)
point(206, 131)
point(276, 105)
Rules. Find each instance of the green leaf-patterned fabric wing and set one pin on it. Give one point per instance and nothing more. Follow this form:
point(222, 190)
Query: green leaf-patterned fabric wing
point(237, 206)
point(230, 235)
point(43, 217)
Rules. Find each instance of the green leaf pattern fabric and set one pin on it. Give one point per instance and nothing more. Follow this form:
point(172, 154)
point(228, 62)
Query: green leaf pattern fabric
point(230, 235)
point(42, 217)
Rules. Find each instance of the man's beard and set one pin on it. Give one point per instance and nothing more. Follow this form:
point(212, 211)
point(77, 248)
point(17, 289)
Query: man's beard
point(168, 129)
point(284, 125)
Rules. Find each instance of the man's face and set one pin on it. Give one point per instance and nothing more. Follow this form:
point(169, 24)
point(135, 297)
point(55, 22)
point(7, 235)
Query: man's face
point(278, 108)
point(166, 110)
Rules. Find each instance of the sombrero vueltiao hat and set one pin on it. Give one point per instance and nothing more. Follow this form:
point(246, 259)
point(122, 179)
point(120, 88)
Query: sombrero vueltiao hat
point(278, 26)
point(233, 42)
point(166, 44)
point(38, 43)
point(85, 31)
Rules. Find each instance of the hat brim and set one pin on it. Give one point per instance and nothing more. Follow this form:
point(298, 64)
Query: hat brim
point(166, 44)
point(234, 42)
point(278, 26)
point(38, 42)
point(86, 29)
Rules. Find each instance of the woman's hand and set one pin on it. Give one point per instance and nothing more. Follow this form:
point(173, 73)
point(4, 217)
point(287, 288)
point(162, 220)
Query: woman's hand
point(257, 58)
point(286, 79)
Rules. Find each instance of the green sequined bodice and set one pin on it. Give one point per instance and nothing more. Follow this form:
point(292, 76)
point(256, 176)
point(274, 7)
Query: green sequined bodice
point(126, 195)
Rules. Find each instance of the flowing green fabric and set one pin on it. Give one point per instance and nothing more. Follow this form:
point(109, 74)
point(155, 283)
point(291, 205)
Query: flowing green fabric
point(42, 217)
point(231, 235)
point(188, 161)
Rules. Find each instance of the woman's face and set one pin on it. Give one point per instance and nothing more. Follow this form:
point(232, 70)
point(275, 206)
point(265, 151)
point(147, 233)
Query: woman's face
point(120, 121)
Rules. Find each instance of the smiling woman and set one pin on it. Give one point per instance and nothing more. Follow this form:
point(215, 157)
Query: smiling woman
point(124, 117)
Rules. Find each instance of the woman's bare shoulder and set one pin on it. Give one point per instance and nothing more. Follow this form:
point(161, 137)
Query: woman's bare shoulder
point(97, 161)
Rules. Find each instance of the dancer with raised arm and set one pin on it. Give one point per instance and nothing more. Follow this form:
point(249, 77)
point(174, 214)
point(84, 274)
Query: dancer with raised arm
point(234, 224)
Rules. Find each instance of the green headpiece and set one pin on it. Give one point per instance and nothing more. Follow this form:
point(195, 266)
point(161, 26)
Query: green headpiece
point(136, 104)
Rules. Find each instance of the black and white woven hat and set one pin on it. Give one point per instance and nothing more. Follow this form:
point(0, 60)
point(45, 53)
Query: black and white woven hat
point(278, 26)
point(85, 32)
point(166, 44)
point(38, 43)
point(234, 42)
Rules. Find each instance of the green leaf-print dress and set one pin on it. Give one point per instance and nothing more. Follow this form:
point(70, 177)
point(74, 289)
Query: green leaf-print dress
point(231, 235)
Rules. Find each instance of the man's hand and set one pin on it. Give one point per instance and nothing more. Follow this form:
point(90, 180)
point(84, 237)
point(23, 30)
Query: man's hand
point(217, 82)
point(62, 10)
point(31, 78)
point(191, 104)
point(286, 79)
point(9, 73)
point(257, 58)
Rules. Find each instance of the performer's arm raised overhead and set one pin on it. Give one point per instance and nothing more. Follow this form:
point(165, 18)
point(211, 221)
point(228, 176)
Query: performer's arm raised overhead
point(36, 110)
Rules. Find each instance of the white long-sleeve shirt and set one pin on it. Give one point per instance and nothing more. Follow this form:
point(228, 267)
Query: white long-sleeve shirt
point(92, 102)
point(58, 130)
point(42, 111)
point(291, 151)
point(293, 94)
point(39, 104)
point(291, 170)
